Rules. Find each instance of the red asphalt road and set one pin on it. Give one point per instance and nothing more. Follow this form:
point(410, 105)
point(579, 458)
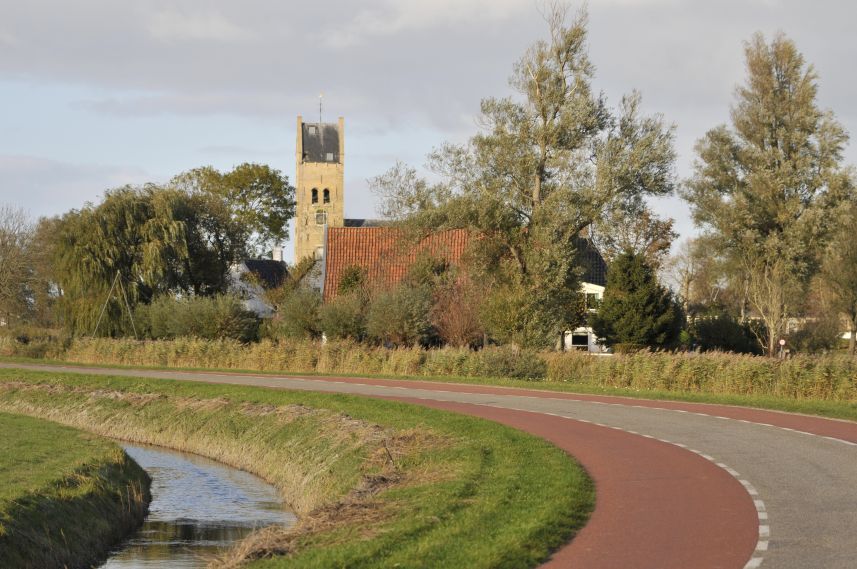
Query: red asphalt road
point(657, 505)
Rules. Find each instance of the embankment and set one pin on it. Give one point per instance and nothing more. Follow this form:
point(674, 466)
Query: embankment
point(66, 496)
point(375, 483)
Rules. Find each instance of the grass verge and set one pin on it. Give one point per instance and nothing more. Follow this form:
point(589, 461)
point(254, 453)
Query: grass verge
point(845, 410)
point(375, 483)
point(66, 497)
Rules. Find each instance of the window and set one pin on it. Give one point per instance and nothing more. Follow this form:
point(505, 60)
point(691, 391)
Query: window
point(579, 341)
point(314, 195)
point(320, 217)
point(329, 156)
point(311, 130)
point(326, 195)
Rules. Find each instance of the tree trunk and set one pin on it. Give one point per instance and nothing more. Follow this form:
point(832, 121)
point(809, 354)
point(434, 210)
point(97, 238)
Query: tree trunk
point(852, 341)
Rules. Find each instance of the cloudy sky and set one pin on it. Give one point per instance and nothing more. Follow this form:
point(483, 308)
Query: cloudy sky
point(99, 93)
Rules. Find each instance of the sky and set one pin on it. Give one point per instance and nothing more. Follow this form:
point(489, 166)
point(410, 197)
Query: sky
point(95, 94)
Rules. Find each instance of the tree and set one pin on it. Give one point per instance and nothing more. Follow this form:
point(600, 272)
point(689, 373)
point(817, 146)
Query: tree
point(636, 309)
point(633, 227)
point(839, 273)
point(258, 197)
point(159, 241)
point(544, 167)
point(16, 275)
point(765, 189)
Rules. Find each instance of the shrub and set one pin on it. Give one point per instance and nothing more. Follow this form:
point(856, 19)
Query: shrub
point(297, 316)
point(217, 317)
point(721, 332)
point(401, 316)
point(344, 317)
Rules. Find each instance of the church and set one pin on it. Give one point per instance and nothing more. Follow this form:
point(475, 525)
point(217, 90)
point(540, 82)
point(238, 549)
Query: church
point(323, 233)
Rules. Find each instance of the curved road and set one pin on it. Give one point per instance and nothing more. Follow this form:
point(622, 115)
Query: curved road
point(679, 485)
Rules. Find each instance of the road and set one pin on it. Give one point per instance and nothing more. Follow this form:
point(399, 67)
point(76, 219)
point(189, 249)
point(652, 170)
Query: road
point(679, 485)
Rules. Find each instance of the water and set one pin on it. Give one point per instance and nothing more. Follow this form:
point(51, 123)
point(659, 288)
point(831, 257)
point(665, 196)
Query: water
point(199, 508)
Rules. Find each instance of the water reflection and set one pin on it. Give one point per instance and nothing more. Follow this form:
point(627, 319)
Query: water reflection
point(199, 507)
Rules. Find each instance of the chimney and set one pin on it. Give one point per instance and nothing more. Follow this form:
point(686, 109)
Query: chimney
point(277, 254)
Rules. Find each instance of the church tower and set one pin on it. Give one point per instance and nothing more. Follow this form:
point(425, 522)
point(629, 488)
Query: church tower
point(320, 184)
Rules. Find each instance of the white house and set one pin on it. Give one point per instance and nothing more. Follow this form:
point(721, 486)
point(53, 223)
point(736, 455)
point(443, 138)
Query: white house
point(593, 282)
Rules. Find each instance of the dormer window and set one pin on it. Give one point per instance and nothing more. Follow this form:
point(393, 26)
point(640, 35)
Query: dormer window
point(314, 195)
point(326, 195)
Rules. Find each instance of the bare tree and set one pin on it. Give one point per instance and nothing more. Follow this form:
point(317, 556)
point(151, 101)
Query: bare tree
point(16, 234)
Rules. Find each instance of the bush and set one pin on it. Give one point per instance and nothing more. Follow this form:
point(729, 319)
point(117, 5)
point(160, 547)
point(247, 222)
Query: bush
point(210, 318)
point(297, 316)
point(401, 316)
point(344, 317)
point(721, 332)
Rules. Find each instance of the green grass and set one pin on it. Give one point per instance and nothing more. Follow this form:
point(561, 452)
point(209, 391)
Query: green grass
point(375, 483)
point(66, 496)
point(846, 410)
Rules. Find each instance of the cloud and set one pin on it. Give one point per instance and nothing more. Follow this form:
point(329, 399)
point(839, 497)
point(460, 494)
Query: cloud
point(395, 17)
point(47, 187)
point(172, 25)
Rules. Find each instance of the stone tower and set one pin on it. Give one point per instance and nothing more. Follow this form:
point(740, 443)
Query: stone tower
point(320, 184)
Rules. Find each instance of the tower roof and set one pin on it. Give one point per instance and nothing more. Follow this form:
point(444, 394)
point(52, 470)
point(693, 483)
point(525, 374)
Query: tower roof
point(320, 142)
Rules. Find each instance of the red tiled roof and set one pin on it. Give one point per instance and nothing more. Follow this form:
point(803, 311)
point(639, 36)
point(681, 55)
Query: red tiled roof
point(383, 253)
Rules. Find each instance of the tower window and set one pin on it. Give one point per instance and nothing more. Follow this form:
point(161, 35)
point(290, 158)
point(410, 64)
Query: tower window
point(329, 156)
point(320, 217)
point(326, 195)
point(314, 195)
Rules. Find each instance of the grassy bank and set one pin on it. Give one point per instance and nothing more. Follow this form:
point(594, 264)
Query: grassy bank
point(375, 483)
point(66, 497)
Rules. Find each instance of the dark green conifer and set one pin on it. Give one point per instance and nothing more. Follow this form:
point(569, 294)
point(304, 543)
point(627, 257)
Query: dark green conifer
point(637, 310)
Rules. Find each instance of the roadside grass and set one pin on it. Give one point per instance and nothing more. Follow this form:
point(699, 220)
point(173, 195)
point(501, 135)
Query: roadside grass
point(844, 410)
point(375, 483)
point(66, 496)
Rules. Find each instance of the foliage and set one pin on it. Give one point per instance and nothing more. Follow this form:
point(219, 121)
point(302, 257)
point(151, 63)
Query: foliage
point(16, 274)
point(765, 189)
point(636, 309)
point(633, 227)
point(353, 279)
point(400, 316)
point(819, 334)
point(545, 166)
point(839, 272)
point(344, 317)
point(455, 313)
point(297, 315)
point(159, 242)
point(719, 331)
point(217, 317)
point(258, 198)
point(802, 377)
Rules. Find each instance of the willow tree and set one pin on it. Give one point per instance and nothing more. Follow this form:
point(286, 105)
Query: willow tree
point(547, 163)
point(765, 189)
point(136, 244)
